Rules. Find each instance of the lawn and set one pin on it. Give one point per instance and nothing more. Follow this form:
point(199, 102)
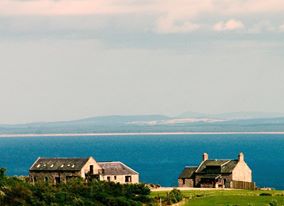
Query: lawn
point(231, 198)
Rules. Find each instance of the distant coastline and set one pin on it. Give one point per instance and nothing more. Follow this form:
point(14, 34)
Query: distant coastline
point(131, 133)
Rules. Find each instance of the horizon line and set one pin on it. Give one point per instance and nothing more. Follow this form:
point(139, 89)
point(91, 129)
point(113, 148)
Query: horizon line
point(131, 133)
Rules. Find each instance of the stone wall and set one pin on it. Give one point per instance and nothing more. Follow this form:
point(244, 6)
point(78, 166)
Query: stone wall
point(50, 177)
point(120, 178)
point(183, 182)
point(224, 181)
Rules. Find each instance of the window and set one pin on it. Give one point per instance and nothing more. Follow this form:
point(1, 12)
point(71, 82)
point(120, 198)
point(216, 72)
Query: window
point(108, 178)
point(46, 179)
point(128, 179)
point(35, 179)
point(57, 180)
point(68, 178)
point(183, 181)
point(92, 169)
point(114, 177)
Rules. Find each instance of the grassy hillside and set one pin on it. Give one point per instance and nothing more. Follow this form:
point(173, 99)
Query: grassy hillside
point(230, 198)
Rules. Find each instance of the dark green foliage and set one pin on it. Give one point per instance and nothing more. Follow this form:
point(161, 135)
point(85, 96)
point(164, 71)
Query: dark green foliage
point(2, 173)
point(265, 194)
point(14, 192)
point(174, 196)
point(273, 203)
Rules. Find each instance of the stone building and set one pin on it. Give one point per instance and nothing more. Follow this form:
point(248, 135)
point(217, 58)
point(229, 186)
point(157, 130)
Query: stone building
point(57, 170)
point(118, 172)
point(218, 174)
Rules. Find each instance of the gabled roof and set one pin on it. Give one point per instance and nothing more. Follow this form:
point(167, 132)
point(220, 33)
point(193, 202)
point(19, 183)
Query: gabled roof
point(116, 168)
point(217, 166)
point(58, 164)
point(187, 172)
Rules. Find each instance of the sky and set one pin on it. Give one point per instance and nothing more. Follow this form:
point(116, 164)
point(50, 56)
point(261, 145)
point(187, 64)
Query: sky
point(70, 59)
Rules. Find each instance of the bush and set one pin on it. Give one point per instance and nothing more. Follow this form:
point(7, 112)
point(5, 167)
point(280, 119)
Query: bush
point(15, 191)
point(273, 203)
point(265, 194)
point(174, 196)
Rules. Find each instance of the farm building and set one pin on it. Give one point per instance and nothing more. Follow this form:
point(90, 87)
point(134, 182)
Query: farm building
point(57, 170)
point(218, 174)
point(118, 172)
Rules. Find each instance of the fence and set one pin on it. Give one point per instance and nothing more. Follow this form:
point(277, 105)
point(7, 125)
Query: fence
point(243, 185)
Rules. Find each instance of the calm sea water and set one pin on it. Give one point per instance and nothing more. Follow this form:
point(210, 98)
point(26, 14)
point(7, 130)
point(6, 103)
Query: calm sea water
point(159, 159)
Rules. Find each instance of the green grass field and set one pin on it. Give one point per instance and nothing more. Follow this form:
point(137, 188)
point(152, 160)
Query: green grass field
point(230, 198)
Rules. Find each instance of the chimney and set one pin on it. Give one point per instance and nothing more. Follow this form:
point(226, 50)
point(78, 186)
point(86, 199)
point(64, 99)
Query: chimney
point(205, 156)
point(241, 157)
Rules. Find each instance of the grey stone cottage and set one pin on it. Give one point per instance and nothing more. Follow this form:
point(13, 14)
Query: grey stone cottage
point(218, 174)
point(57, 170)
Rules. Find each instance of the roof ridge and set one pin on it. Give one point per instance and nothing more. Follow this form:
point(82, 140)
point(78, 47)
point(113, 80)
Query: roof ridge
point(34, 162)
point(63, 157)
point(109, 162)
point(200, 165)
point(219, 159)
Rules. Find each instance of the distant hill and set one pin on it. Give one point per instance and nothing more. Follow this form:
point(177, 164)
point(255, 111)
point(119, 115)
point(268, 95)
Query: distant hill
point(187, 122)
point(233, 115)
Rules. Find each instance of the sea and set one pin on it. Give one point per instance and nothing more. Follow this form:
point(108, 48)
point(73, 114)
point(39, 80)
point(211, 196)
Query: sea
point(159, 159)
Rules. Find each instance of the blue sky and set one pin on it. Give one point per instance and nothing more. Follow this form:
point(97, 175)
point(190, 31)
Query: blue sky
point(70, 59)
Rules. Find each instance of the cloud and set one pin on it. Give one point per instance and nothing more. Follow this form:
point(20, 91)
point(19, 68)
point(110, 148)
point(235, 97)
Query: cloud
point(229, 25)
point(281, 28)
point(262, 26)
point(166, 25)
point(64, 7)
point(179, 16)
point(177, 8)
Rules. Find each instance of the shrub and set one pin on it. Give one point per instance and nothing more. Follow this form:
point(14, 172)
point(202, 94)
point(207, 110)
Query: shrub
point(15, 192)
point(174, 196)
point(273, 203)
point(265, 194)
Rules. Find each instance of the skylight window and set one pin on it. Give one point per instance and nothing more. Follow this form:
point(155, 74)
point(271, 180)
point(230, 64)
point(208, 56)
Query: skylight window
point(38, 166)
point(62, 166)
point(73, 166)
point(51, 165)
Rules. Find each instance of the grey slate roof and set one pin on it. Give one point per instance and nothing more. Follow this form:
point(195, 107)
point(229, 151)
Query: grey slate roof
point(116, 168)
point(209, 169)
point(217, 166)
point(187, 172)
point(58, 164)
